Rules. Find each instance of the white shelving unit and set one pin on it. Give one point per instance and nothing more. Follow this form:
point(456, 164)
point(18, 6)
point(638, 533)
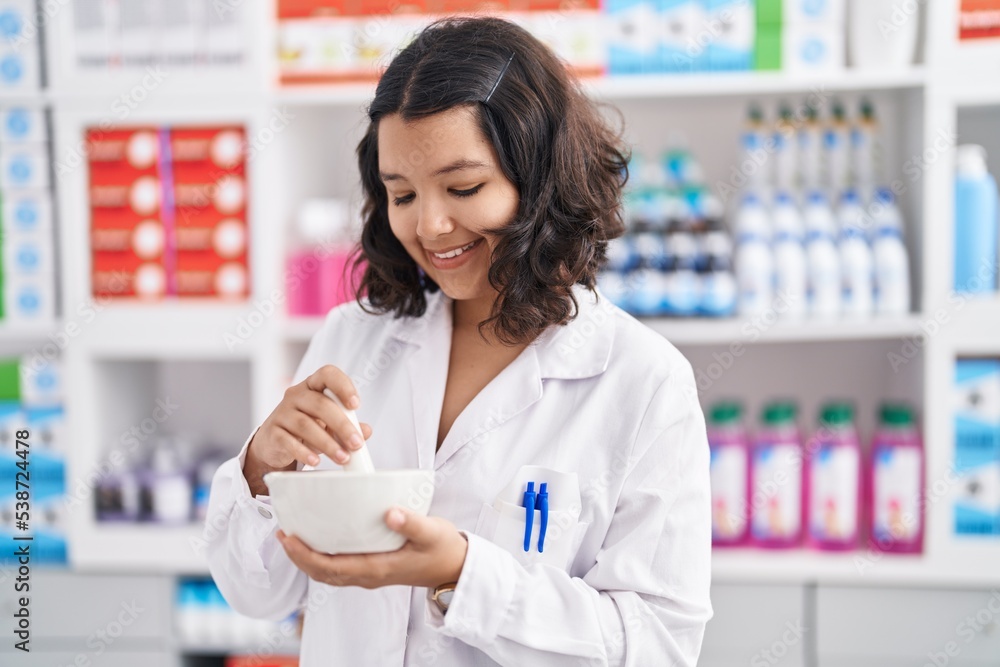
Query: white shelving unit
point(313, 156)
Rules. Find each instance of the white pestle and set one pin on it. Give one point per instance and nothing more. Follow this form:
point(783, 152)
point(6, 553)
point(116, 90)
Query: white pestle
point(361, 460)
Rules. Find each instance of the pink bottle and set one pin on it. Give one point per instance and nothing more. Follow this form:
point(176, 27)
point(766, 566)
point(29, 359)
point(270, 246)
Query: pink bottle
point(895, 483)
point(833, 481)
point(730, 472)
point(318, 276)
point(776, 479)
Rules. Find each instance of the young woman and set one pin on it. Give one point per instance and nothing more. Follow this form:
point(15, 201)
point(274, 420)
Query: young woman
point(482, 351)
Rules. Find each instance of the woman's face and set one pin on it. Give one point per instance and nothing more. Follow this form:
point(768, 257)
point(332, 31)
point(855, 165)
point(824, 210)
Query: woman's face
point(446, 191)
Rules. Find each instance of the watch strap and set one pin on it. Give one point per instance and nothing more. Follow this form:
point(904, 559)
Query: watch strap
point(441, 590)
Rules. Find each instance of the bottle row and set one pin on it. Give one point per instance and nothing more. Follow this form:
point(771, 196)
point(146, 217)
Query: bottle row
point(777, 490)
point(809, 146)
point(164, 479)
point(203, 618)
point(815, 262)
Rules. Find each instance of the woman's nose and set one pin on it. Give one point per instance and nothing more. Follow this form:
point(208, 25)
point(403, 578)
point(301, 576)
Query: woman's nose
point(434, 220)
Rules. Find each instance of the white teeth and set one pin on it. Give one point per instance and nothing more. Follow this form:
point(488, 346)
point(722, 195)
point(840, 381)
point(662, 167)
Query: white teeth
point(454, 253)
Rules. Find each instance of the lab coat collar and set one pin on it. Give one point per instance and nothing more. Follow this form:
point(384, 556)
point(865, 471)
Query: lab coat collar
point(579, 349)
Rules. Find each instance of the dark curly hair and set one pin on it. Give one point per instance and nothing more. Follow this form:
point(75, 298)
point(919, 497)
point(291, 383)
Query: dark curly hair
point(569, 169)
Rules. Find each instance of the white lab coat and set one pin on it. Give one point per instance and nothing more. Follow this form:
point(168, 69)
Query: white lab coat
point(603, 397)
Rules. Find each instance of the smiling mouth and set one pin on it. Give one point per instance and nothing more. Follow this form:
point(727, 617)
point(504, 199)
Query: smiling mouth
point(456, 252)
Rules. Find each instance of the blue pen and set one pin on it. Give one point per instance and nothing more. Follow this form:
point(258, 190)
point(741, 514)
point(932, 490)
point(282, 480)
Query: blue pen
point(529, 513)
point(542, 503)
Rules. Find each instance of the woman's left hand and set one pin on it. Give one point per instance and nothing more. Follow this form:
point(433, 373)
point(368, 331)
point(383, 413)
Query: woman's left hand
point(434, 554)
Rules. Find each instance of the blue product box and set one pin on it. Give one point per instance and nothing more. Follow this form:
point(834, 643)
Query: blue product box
point(977, 447)
point(733, 28)
point(634, 36)
point(684, 36)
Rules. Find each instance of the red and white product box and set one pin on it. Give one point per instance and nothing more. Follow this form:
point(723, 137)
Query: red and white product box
point(979, 19)
point(128, 237)
point(207, 274)
point(169, 212)
point(209, 176)
point(125, 274)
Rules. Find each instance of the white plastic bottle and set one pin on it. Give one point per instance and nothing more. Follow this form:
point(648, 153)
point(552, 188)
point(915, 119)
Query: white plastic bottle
point(884, 213)
point(822, 261)
point(810, 149)
point(681, 286)
point(892, 264)
point(856, 262)
point(754, 263)
point(835, 143)
point(865, 152)
point(718, 284)
point(789, 259)
point(785, 149)
point(756, 160)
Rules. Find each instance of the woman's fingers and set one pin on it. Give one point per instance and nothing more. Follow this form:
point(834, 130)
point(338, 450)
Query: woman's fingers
point(337, 381)
point(303, 426)
point(297, 448)
point(335, 420)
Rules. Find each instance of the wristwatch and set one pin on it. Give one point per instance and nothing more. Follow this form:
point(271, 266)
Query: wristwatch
point(443, 594)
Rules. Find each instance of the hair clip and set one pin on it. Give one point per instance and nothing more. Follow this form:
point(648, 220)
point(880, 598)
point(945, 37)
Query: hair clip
point(502, 72)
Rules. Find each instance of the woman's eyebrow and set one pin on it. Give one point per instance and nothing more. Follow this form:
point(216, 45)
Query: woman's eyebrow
point(457, 165)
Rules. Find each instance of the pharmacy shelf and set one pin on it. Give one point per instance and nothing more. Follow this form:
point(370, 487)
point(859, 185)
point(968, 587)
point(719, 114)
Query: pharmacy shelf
point(288, 646)
point(800, 566)
point(139, 548)
point(30, 97)
point(704, 331)
point(172, 329)
point(758, 330)
point(656, 86)
point(751, 83)
point(17, 334)
point(973, 326)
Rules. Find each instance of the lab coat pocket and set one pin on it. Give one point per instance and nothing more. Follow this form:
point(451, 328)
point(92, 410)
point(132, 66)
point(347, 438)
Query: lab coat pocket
point(504, 524)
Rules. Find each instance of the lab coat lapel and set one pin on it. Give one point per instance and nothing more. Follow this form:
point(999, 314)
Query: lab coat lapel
point(515, 388)
point(579, 349)
point(427, 368)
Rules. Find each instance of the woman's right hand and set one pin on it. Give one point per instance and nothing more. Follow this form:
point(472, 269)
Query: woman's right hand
point(307, 423)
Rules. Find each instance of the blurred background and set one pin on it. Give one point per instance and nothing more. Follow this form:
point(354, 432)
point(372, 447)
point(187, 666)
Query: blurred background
point(812, 219)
